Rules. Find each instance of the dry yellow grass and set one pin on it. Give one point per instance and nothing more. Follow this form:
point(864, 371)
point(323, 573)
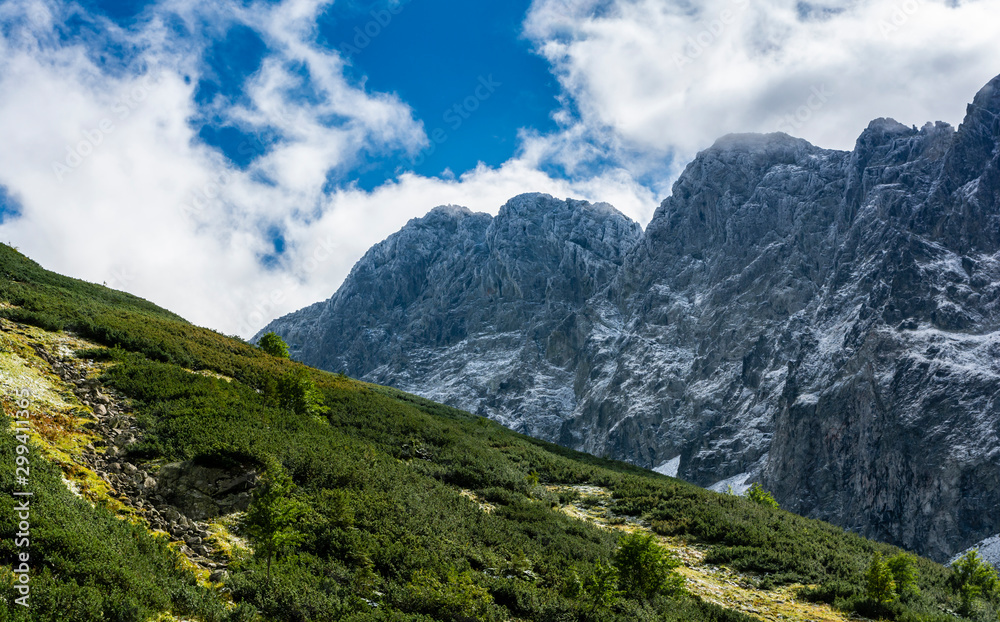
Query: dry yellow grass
point(717, 584)
point(59, 421)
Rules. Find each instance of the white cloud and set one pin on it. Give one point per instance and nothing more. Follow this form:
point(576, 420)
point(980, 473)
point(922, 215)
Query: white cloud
point(152, 210)
point(116, 188)
point(674, 76)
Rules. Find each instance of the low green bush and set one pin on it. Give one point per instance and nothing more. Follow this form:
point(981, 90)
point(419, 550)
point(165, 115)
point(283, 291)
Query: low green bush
point(388, 535)
point(35, 318)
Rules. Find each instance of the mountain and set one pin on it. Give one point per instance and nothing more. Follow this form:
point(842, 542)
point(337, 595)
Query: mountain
point(172, 473)
point(475, 310)
point(824, 322)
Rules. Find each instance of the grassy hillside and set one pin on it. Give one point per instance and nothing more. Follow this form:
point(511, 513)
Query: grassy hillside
point(406, 509)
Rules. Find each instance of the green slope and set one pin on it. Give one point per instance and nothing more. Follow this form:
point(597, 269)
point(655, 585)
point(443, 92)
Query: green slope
point(395, 488)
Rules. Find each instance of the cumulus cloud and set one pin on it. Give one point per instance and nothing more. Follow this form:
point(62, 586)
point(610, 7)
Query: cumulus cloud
point(671, 77)
point(115, 186)
point(113, 183)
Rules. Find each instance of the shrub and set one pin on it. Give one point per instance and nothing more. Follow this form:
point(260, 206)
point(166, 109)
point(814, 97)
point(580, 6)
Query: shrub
point(601, 587)
point(274, 345)
point(645, 568)
point(298, 393)
point(568, 496)
point(829, 591)
point(758, 495)
point(40, 319)
point(297, 591)
point(591, 501)
point(456, 599)
point(872, 609)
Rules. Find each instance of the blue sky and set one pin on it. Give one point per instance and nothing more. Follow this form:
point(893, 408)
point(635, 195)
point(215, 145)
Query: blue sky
point(476, 79)
point(232, 159)
point(9, 207)
point(123, 13)
point(461, 43)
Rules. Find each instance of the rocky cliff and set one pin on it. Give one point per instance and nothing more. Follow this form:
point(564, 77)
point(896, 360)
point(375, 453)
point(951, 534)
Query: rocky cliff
point(468, 309)
point(825, 322)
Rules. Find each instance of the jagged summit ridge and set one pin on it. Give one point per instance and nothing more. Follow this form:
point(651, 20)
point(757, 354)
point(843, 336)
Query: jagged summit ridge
point(455, 300)
point(823, 321)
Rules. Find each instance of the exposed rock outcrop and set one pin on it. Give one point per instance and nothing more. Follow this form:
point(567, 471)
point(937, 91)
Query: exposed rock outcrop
point(178, 498)
point(202, 492)
point(476, 310)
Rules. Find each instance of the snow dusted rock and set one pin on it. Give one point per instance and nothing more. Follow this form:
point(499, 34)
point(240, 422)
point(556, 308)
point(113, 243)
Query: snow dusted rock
point(473, 310)
point(988, 549)
point(825, 322)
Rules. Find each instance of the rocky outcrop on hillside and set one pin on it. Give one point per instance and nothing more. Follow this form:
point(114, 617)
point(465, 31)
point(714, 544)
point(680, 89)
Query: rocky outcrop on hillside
point(179, 499)
point(825, 322)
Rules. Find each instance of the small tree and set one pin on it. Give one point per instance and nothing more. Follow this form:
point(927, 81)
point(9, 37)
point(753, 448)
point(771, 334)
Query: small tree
point(879, 584)
point(758, 495)
point(904, 574)
point(271, 519)
point(458, 598)
point(972, 578)
point(298, 393)
point(644, 567)
point(601, 587)
point(274, 345)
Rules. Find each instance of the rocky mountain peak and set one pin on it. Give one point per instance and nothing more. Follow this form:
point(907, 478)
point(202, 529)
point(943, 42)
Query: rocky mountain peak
point(449, 211)
point(987, 101)
point(551, 217)
point(978, 137)
point(549, 250)
point(822, 321)
point(964, 209)
point(774, 143)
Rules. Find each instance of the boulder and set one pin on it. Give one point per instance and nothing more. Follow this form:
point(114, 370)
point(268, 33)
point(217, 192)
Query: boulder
point(201, 493)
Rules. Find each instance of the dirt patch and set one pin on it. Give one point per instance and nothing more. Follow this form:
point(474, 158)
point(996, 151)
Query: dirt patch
point(483, 504)
point(717, 584)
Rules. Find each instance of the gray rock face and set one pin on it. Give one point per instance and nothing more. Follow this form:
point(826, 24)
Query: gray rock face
point(824, 322)
point(474, 310)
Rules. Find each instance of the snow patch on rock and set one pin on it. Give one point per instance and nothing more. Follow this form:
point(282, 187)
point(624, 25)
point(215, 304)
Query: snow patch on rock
point(988, 549)
point(739, 484)
point(670, 467)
